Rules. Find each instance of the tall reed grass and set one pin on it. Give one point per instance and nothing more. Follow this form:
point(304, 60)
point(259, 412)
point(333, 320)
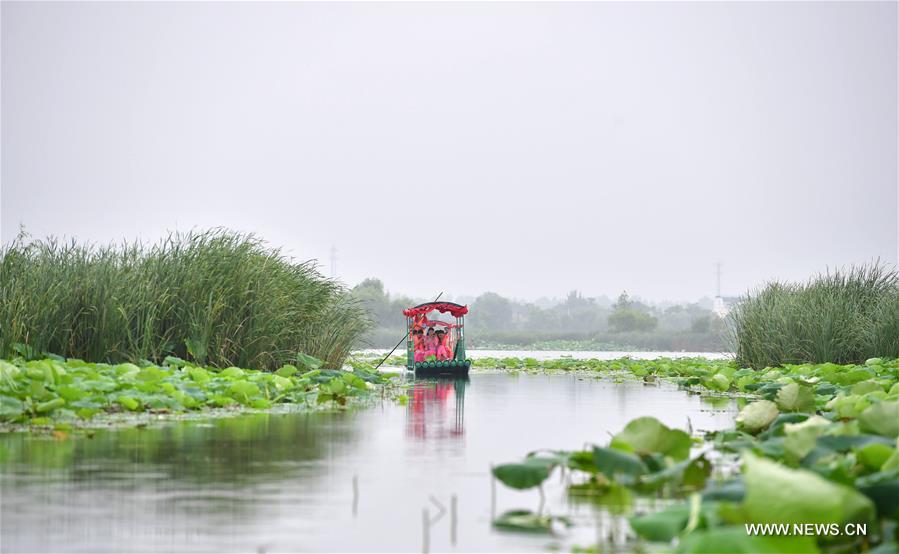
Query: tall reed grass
point(842, 316)
point(216, 297)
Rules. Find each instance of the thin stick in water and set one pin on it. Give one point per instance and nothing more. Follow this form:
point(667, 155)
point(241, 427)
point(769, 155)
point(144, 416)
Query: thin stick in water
point(492, 495)
point(453, 518)
point(425, 531)
point(355, 495)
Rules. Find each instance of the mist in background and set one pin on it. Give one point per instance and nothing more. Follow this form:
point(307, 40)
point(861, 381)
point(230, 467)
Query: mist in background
point(526, 149)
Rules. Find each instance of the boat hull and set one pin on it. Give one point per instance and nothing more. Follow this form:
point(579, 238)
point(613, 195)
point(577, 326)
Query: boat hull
point(453, 367)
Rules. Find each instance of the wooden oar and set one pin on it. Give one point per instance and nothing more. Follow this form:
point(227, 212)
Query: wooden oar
point(402, 339)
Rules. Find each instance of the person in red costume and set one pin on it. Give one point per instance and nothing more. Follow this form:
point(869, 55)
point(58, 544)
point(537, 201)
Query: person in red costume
point(443, 350)
point(418, 345)
point(430, 343)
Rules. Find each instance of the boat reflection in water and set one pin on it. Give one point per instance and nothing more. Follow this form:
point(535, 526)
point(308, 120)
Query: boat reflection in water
point(436, 408)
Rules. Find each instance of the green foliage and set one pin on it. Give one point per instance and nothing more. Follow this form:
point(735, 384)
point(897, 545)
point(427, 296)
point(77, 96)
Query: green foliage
point(777, 494)
point(796, 398)
point(882, 419)
point(647, 435)
point(630, 320)
point(843, 316)
point(75, 389)
point(216, 298)
point(757, 416)
point(662, 526)
point(735, 540)
point(613, 463)
point(848, 389)
point(309, 363)
point(817, 445)
point(528, 474)
point(576, 322)
point(529, 522)
point(660, 339)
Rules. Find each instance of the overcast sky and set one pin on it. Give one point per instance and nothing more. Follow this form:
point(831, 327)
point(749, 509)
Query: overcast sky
point(527, 149)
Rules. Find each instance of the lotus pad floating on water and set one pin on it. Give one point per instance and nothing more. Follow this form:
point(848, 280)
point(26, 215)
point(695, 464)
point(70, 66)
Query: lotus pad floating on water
point(38, 390)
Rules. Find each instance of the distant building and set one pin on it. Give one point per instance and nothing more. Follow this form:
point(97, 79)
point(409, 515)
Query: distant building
point(722, 305)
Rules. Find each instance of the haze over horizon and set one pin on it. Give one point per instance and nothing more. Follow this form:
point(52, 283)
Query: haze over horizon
point(525, 149)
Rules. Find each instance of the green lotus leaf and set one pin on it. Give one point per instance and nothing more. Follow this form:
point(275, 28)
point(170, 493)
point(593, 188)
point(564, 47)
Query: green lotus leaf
point(309, 362)
point(199, 374)
point(129, 403)
point(735, 540)
point(874, 455)
point(801, 438)
point(232, 373)
point(243, 390)
point(127, 369)
point(865, 387)
point(174, 361)
point(756, 416)
point(662, 526)
point(287, 371)
point(522, 476)
point(718, 382)
point(528, 522)
point(150, 374)
point(10, 407)
point(647, 435)
point(70, 393)
point(881, 418)
point(778, 494)
point(613, 462)
point(796, 398)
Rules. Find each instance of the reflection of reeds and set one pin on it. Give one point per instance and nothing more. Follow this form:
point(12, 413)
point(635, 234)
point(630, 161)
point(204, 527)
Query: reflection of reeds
point(217, 297)
point(842, 316)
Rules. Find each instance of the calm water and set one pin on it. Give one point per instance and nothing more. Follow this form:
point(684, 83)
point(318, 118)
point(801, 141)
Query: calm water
point(577, 354)
point(284, 482)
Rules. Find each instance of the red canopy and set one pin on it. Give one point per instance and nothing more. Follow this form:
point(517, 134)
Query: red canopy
point(452, 308)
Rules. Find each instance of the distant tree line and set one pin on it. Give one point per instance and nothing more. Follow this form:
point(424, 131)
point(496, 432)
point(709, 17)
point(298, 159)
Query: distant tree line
point(577, 322)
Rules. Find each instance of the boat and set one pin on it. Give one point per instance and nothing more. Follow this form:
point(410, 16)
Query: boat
point(417, 318)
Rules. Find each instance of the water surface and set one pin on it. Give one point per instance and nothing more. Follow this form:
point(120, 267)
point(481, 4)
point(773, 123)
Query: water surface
point(284, 482)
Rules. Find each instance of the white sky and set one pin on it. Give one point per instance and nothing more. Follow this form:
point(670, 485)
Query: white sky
point(527, 149)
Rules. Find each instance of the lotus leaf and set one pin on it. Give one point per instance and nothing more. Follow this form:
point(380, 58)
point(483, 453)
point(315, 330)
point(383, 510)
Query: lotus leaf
point(528, 474)
point(287, 371)
point(232, 373)
point(874, 455)
point(735, 540)
point(613, 462)
point(662, 526)
point(757, 415)
point(529, 522)
point(309, 362)
point(646, 435)
point(777, 494)
point(881, 418)
point(10, 407)
point(796, 398)
point(129, 403)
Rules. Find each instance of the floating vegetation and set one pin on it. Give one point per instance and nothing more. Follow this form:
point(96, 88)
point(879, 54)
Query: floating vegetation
point(529, 522)
point(54, 390)
point(812, 381)
point(816, 450)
